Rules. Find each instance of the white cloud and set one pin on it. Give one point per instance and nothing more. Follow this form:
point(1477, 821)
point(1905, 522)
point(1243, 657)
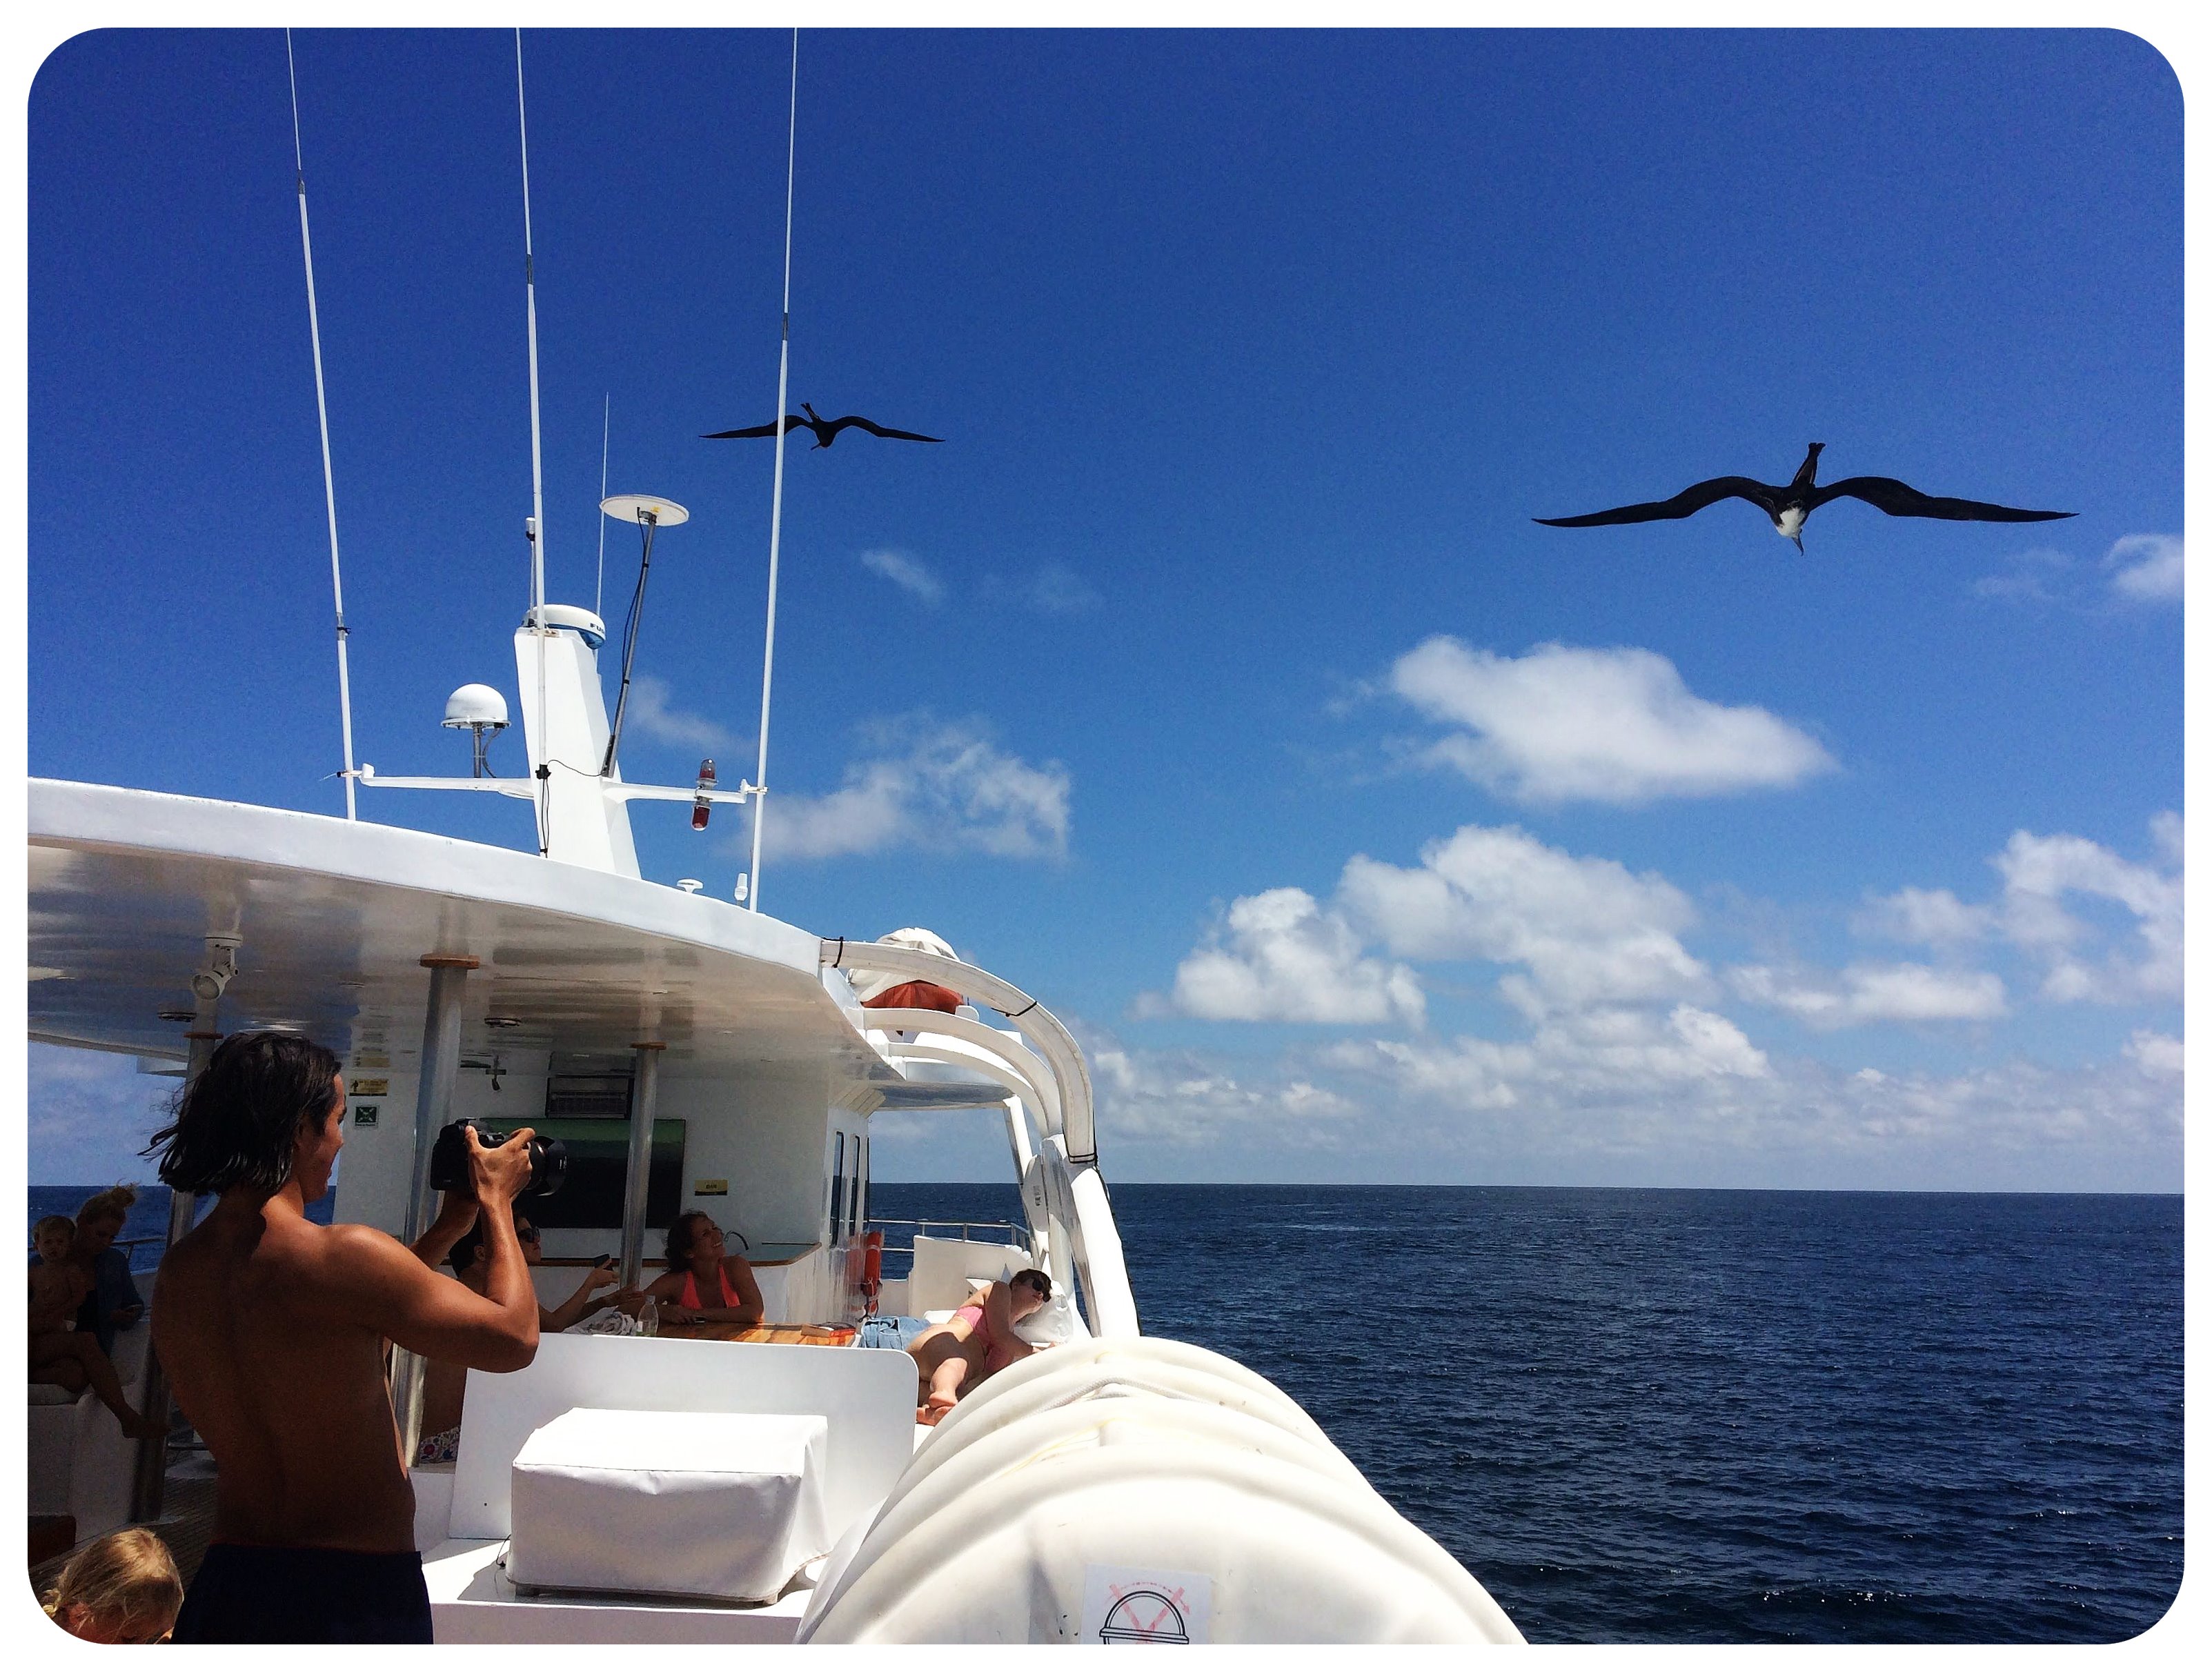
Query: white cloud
point(650, 712)
point(1611, 1050)
point(1923, 917)
point(1278, 957)
point(2155, 1053)
point(1586, 930)
point(2041, 872)
point(1872, 992)
point(1189, 1098)
point(2148, 568)
point(2029, 576)
point(1057, 590)
point(910, 575)
point(939, 786)
point(1563, 724)
point(2042, 877)
point(1634, 1096)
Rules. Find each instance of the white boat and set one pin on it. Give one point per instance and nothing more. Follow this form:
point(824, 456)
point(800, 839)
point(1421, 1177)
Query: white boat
point(734, 1048)
point(696, 1053)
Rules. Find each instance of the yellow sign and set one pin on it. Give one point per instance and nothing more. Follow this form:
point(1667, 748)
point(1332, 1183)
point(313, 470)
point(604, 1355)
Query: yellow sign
point(710, 1187)
point(371, 1089)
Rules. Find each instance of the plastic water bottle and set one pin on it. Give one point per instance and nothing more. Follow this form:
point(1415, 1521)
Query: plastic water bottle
point(649, 1318)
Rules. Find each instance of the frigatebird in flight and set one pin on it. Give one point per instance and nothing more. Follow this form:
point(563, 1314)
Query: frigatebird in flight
point(1789, 507)
point(825, 429)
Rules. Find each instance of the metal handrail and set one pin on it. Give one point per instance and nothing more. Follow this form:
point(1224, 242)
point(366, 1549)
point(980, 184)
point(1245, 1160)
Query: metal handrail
point(965, 1226)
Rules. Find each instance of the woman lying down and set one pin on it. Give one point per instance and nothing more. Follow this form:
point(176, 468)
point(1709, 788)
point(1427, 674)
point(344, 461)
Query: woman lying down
point(974, 1342)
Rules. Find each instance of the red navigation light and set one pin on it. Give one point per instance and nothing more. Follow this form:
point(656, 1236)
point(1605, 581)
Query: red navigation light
point(701, 806)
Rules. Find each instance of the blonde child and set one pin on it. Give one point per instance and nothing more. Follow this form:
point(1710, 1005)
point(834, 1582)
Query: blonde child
point(60, 1354)
point(124, 1588)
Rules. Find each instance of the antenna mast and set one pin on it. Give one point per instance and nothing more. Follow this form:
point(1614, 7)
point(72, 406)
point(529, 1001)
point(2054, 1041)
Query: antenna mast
point(775, 513)
point(323, 420)
point(606, 434)
point(537, 471)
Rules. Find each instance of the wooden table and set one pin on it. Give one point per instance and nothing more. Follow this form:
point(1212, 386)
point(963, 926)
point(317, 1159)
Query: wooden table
point(796, 1334)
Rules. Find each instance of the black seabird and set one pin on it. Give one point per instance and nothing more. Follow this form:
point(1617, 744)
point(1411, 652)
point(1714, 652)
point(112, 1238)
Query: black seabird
point(1789, 507)
point(825, 429)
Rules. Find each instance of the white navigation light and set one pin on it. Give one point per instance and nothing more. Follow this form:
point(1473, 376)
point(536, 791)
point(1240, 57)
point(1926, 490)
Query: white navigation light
point(479, 709)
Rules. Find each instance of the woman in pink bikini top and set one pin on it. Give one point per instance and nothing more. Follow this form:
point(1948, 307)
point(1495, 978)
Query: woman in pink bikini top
point(975, 1342)
point(705, 1283)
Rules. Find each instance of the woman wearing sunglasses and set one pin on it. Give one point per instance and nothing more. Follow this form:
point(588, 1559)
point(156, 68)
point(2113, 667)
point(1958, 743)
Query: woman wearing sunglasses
point(976, 1340)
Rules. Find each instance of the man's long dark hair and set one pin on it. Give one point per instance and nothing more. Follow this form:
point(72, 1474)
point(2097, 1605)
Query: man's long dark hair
point(237, 1123)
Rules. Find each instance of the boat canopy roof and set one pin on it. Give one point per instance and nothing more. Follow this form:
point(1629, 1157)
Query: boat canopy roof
point(333, 918)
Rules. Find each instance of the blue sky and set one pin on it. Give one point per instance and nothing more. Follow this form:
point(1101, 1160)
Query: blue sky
point(1212, 680)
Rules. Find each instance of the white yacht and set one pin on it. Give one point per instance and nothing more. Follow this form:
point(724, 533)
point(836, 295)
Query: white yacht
point(694, 1053)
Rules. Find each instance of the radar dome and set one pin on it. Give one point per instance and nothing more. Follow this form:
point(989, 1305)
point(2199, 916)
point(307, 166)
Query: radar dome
point(475, 707)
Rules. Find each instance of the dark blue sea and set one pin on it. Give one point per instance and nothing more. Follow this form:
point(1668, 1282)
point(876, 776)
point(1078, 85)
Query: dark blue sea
point(1705, 1415)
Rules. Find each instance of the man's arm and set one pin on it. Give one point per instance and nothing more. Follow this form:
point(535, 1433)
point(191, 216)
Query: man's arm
point(441, 1318)
point(457, 1211)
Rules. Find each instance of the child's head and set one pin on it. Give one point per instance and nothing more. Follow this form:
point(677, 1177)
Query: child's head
point(52, 1236)
point(120, 1589)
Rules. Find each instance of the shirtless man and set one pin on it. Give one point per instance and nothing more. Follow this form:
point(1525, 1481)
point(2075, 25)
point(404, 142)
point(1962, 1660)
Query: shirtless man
point(273, 1331)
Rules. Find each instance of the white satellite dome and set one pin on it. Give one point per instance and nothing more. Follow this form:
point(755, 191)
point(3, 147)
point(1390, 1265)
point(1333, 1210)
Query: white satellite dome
point(475, 707)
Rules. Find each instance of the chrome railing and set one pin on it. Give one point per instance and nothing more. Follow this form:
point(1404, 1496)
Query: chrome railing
point(1015, 1236)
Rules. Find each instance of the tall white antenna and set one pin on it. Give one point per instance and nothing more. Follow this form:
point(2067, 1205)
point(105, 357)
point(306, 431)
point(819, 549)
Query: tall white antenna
point(537, 471)
point(606, 434)
point(775, 513)
point(323, 418)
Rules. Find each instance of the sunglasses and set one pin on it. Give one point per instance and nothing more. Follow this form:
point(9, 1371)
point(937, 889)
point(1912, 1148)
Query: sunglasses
point(525, 1233)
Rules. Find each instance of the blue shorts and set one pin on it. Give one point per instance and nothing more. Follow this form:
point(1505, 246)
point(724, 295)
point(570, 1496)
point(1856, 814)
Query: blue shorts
point(264, 1593)
point(890, 1331)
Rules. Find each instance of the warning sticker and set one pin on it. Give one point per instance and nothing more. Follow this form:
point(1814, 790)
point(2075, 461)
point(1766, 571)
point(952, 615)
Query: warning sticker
point(1147, 1605)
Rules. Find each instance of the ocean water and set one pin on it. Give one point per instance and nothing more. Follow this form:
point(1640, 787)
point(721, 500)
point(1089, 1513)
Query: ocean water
point(1716, 1416)
point(1704, 1415)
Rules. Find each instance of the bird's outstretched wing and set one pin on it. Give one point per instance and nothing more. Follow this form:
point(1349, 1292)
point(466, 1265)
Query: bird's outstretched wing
point(1686, 503)
point(1889, 494)
point(792, 421)
point(836, 424)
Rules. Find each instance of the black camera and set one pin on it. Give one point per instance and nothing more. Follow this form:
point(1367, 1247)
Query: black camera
point(449, 1161)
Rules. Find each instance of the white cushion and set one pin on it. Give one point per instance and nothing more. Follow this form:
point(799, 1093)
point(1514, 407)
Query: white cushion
point(1053, 1324)
point(712, 1504)
point(46, 1393)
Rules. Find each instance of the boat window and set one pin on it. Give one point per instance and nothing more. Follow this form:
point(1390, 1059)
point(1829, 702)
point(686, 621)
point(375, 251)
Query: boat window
point(837, 1190)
